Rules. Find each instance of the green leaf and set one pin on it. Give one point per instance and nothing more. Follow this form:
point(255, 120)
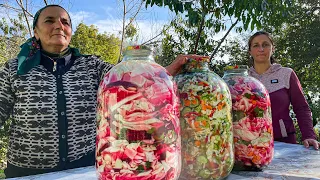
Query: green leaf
point(252, 25)
point(217, 13)
point(247, 95)
point(150, 131)
point(245, 25)
point(231, 11)
point(243, 18)
point(147, 3)
point(159, 3)
point(259, 112)
point(237, 115)
point(152, 2)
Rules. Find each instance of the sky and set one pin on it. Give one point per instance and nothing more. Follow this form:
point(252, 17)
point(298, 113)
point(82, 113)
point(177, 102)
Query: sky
point(106, 15)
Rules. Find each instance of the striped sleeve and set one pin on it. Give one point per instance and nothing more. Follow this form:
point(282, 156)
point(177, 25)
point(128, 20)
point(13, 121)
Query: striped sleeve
point(103, 67)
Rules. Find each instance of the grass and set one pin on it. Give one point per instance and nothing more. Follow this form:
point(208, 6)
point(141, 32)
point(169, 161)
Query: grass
point(2, 176)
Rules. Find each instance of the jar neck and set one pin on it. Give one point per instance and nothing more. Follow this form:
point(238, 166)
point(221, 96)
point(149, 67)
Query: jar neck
point(138, 54)
point(236, 72)
point(196, 65)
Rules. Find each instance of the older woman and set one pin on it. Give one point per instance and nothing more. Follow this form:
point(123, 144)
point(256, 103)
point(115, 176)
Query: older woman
point(50, 92)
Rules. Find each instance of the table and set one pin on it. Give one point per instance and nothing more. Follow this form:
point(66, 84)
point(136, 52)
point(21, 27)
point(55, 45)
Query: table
point(290, 162)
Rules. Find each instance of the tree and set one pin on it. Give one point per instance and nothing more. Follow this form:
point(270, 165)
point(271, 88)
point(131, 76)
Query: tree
point(89, 41)
point(213, 14)
point(13, 34)
point(130, 8)
point(298, 46)
point(22, 8)
point(199, 21)
point(178, 40)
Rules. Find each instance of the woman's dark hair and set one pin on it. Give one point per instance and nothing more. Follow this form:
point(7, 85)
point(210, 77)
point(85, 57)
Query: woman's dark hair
point(36, 16)
point(272, 59)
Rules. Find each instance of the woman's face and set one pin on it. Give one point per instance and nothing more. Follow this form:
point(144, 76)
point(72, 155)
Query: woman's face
point(261, 49)
point(53, 29)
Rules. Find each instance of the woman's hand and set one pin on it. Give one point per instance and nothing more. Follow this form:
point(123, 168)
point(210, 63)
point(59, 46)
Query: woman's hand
point(176, 66)
point(313, 142)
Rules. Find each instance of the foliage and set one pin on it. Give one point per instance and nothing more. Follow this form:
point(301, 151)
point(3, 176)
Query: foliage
point(298, 47)
point(12, 35)
point(193, 30)
point(90, 41)
point(299, 135)
point(179, 39)
point(251, 13)
point(131, 32)
point(2, 176)
point(235, 51)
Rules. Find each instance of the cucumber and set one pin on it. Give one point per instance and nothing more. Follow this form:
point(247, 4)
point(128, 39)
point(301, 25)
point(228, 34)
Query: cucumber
point(182, 123)
point(185, 111)
point(201, 118)
point(195, 104)
point(204, 173)
point(202, 160)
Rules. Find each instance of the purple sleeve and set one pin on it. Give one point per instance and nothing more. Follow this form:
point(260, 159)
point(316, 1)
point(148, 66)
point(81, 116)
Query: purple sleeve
point(301, 108)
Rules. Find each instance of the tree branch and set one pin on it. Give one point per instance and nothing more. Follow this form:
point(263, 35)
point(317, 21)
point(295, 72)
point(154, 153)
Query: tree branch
point(200, 28)
point(156, 36)
point(15, 9)
point(134, 16)
point(123, 29)
point(25, 15)
point(153, 42)
point(224, 37)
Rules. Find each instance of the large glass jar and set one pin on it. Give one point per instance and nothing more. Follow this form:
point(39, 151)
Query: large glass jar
point(138, 129)
point(206, 125)
point(252, 123)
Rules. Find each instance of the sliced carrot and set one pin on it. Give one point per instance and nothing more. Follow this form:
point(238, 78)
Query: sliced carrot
point(256, 159)
point(254, 102)
point(203, 83)
point(197, 143)
point(250, 153)
point(203, 105)
point(196, 124)
point(204, 123)
point(194, 101)
point(187, 102)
